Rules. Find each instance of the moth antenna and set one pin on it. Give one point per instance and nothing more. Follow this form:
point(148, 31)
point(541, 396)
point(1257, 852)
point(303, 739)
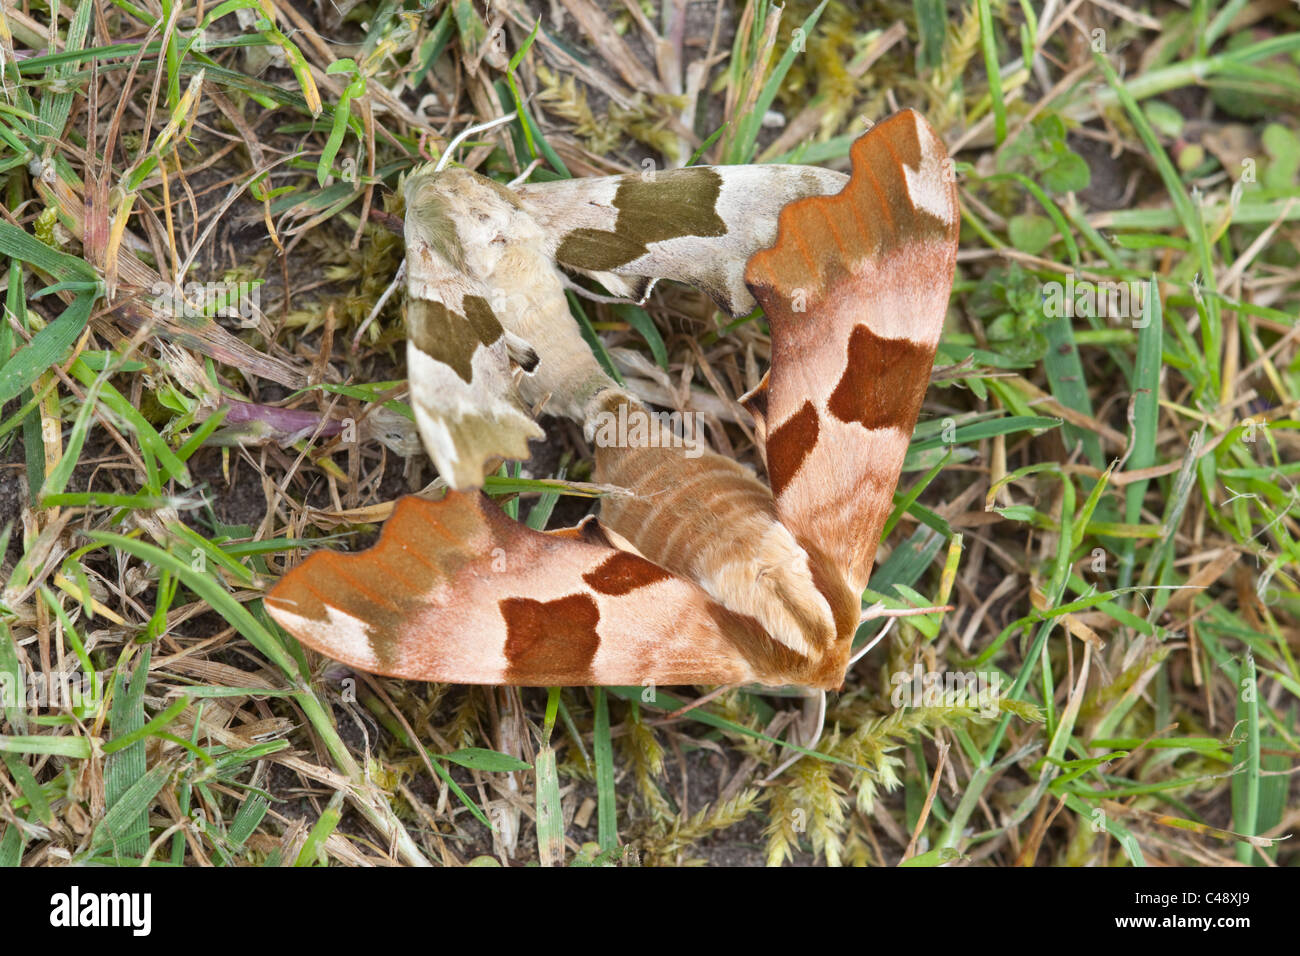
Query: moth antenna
point(528, 171)
point(398, 279)
point(596, 296)
point(468, 132)
point(700, 701)
point(870, 644)
point(879, 610)
point(808, 745)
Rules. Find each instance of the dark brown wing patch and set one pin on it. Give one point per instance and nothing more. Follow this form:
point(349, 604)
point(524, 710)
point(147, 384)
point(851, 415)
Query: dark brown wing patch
point(790, 444)
point(550, 642)
point(881, 386)
point(622, 573)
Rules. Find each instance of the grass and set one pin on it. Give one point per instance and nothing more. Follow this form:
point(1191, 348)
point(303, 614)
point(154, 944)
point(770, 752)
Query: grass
point(1109, 500)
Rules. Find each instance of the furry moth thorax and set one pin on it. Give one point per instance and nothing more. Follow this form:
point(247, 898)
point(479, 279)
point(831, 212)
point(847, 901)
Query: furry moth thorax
point(703, 573)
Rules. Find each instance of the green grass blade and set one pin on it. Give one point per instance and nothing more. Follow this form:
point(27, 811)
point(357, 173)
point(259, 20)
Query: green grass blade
point(1246, 782)
point(606, 798)
point(48, 347)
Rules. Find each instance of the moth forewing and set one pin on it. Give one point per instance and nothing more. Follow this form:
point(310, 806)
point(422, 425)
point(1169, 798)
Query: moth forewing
point(873, 269)
point(697, 225)
point(456, 591)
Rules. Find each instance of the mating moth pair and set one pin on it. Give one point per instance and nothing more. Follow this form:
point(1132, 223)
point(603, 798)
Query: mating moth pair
point(703, 574)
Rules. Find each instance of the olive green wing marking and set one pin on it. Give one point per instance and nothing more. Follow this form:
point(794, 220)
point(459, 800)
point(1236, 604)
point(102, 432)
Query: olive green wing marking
point(458, 355)
point(462, 390)
point(698, 225)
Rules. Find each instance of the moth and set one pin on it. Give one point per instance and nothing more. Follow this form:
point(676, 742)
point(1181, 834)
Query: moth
point(704, 573)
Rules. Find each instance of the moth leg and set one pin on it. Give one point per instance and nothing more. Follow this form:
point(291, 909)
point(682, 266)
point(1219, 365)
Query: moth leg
point(866, 648)
point(805, 732)
point(701, 700)
point(422, 147)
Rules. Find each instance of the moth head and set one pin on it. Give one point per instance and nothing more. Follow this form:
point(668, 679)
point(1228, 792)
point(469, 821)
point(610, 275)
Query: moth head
point(429, 219)
point(440, 205)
